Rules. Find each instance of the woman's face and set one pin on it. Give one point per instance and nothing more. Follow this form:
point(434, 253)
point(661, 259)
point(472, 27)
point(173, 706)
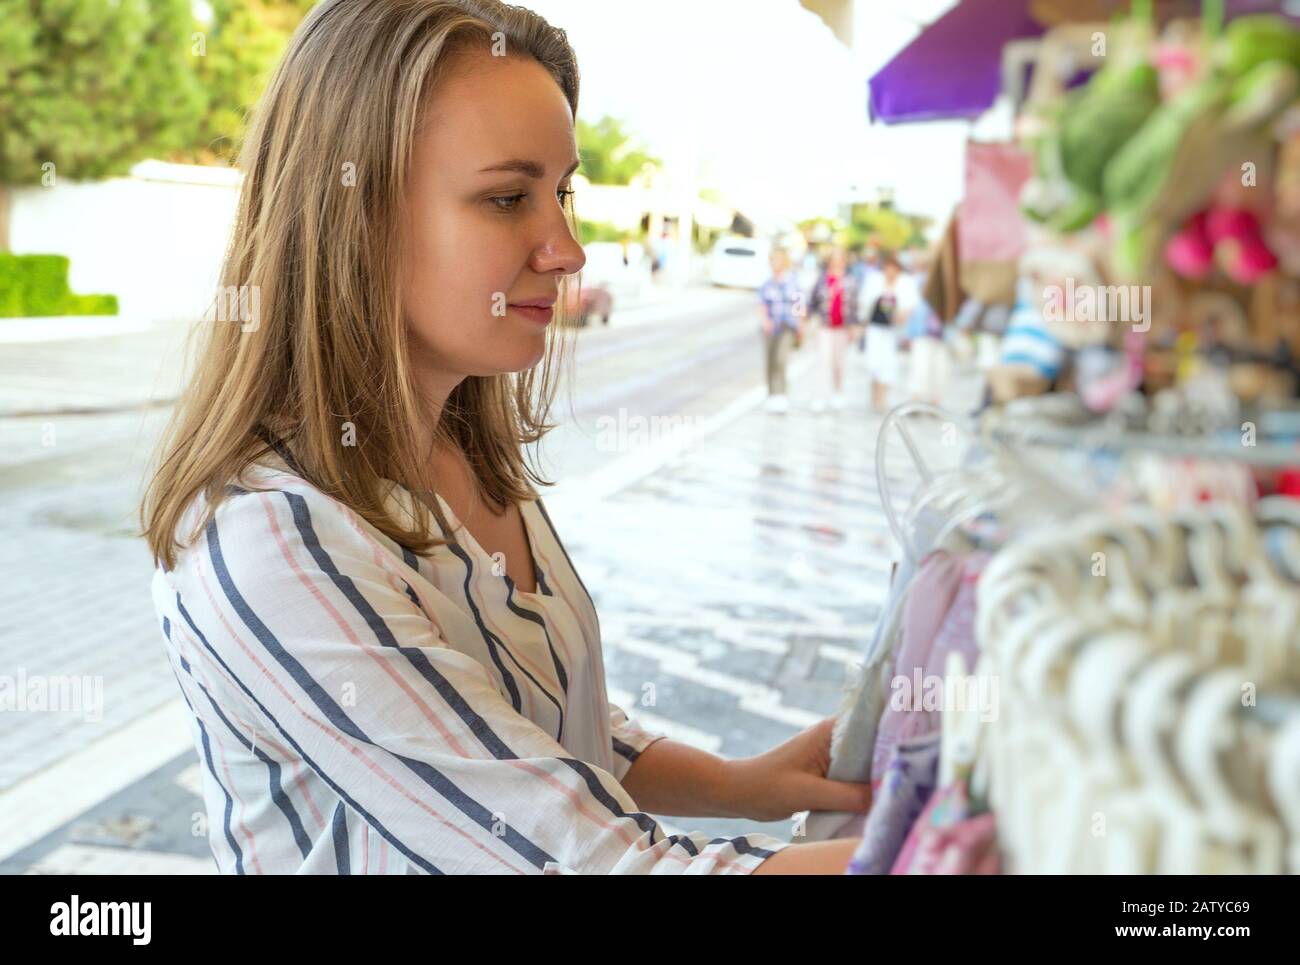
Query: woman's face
point(484, 230)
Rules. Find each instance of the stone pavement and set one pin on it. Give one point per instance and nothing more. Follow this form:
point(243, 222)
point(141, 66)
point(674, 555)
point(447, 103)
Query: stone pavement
point(75, 600)
point(72, 365)
point(139, 365)
point(737, 584)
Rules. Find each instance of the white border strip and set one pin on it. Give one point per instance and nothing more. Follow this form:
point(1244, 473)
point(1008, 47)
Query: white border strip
point(89, 776)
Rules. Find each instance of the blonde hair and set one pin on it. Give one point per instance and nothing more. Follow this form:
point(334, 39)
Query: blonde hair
point(320, 256)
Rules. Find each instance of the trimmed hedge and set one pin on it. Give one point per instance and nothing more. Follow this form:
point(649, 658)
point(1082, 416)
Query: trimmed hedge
point(32, 285)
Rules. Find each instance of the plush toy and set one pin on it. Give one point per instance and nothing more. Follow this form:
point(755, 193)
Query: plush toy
point(1081, 138)
point(1231, 236)
point(1239, 244)
point(1190, 252)
point(1163, 173)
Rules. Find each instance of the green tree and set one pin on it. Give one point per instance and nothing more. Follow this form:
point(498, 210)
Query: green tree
point(590, 231)
point(89, 87)
point(242, 43)
point(607, 152)
point(885, 227)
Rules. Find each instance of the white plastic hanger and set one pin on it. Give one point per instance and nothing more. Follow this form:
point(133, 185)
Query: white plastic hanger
point(1095, 695)
point(1284, 786)
point(1240, 834)
point(1167, 558)
point(1000, 595)
point(1152, 709)
point(1206, 550)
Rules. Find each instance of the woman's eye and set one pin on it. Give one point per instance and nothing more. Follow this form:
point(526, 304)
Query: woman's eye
point(511, 200)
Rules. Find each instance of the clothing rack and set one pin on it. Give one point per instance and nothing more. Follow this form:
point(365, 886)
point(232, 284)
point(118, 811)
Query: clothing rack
point(918, 529)
point(1271, 455)
point(1092, 673)
point(1062, 423)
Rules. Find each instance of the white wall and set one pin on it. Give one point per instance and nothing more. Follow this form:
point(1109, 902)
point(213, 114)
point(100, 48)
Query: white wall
point(154, 239)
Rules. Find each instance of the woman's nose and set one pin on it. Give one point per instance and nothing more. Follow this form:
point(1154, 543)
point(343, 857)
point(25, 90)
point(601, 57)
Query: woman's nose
point(560, 253)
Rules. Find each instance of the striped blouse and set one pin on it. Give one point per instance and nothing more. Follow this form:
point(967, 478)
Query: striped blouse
point(359, 709)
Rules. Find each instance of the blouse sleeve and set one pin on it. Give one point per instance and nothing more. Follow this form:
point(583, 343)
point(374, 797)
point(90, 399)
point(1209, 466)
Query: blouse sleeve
point(321, 637)
point(629, 739)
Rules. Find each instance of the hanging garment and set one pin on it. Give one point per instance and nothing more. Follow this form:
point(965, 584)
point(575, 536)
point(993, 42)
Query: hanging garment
point(948, 839)
point(908, 781)
point(966, 848)
point(854, 737)
point(957, 633)
point(947, 806)
point(942, 290)
point(927, 607)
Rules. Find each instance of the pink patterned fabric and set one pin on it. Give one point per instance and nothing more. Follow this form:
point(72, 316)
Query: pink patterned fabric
point(966, 848)
point(947, 840)
point(928, 600)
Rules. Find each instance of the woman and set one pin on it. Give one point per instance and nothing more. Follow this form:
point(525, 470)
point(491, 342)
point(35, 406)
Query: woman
point(391, 662)
point(833, 299)
point(781, 321)
point(885, 305)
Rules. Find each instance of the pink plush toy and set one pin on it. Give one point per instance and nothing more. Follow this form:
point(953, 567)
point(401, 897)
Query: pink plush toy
point(1190, 252)
point(1231, 236)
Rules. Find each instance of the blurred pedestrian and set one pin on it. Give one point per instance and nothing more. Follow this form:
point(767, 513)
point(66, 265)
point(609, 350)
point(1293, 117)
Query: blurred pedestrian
point(867, 273)
point(834, 293)
point(782, 323)
point(664, 255)
point(930, 360)
point(857, 270)
point(889, 299)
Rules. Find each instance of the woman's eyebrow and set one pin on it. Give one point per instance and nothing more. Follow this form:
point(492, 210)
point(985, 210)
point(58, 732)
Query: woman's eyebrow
point(531, 169)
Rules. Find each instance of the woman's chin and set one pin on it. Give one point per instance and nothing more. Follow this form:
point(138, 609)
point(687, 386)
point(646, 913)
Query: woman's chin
point(517, 358)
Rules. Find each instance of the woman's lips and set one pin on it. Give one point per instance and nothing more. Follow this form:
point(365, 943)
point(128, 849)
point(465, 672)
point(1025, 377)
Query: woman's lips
point(541, 315)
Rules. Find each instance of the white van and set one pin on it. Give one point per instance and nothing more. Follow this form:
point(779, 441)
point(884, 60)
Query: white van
point(738, 262)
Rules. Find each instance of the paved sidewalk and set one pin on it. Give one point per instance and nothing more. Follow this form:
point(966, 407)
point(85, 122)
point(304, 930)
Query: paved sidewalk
point(66, 366)
point(737, 585)
point(130, 369)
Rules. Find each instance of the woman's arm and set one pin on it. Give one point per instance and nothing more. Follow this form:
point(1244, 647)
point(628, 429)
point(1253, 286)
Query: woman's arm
point(811, 858)
point(675, 779)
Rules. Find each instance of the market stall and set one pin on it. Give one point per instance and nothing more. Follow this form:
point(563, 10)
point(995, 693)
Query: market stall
point(1089, 659)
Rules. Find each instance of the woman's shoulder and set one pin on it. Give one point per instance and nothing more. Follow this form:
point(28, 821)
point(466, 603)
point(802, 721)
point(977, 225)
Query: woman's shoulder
point(264, 506)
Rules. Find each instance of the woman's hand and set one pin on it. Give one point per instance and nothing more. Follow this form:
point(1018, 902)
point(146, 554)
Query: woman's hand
point(791, 777)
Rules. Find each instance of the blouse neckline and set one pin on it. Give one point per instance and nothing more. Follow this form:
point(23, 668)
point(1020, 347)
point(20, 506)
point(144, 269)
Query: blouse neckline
point(475, 547)
point(539, 574)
